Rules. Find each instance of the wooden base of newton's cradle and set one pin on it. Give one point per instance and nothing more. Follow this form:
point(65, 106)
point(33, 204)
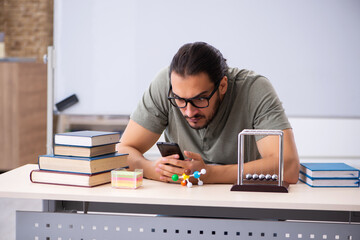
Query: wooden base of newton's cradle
point(248, 186)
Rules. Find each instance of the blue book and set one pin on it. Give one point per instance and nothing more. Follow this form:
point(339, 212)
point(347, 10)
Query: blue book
point(329, 170)
point(328, 182)
point(329, 175)
point(85, 165)
point(87, 138)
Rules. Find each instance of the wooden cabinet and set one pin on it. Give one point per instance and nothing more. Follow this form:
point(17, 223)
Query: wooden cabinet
point(23, 100)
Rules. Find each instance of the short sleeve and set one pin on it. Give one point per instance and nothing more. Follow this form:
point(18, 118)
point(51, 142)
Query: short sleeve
point(152, 109)
point(265, 106)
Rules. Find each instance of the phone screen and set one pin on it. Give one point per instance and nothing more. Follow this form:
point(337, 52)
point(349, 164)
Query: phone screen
point(168, 148)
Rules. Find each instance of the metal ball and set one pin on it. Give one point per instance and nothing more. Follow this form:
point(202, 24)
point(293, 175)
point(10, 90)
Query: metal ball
point(274, 177)
point(255, 176)
point(248, 176)
point(268, 177)
point(261, 177)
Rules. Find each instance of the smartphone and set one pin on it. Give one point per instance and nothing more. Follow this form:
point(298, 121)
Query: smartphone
point(169, 148)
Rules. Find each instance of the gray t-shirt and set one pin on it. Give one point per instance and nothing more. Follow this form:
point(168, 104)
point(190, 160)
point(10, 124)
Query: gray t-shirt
point(249, 103)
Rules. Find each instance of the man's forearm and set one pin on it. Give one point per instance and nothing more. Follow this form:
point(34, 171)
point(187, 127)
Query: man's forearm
point(271, 166)
point(229, 173)
point(221, 174)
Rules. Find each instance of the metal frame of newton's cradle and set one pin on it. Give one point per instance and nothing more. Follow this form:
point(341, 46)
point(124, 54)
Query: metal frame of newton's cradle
point(257, 186)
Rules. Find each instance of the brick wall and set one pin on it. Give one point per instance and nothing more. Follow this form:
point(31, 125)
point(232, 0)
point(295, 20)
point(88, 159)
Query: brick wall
point(2, 13)
point(28, 27)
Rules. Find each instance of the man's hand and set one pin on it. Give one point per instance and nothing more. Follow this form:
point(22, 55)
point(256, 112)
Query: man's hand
point(166, 167)
point(195, 161)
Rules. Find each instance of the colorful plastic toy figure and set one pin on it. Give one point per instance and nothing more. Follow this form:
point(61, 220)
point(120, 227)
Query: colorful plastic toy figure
point(186, 175)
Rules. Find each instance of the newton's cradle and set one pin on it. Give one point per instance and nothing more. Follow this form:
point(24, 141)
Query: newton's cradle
point(263, 182)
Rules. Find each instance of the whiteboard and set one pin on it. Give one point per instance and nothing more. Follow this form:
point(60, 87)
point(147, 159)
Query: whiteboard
point(108, 51)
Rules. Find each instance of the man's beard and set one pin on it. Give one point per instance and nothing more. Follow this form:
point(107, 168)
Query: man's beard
point(207, 120)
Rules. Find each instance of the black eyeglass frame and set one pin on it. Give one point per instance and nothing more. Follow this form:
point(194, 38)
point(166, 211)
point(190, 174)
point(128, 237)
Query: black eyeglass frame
point(190, 100)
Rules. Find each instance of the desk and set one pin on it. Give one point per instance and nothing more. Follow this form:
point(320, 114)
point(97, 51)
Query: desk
point(200, 212)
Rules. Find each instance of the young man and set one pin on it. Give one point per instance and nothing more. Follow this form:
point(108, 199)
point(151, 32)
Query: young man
point(202, 104)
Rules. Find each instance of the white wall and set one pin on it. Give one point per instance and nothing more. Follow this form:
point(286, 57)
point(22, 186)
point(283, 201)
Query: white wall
point(107, 52)
point(322, 139)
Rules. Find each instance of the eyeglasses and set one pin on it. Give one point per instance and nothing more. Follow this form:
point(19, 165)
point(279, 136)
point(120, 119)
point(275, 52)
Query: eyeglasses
point(198, 102)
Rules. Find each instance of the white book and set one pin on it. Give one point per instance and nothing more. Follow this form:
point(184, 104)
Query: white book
point(87, 138)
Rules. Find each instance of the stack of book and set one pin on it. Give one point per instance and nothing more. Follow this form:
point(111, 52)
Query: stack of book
point(82, 158)
point(329, 175)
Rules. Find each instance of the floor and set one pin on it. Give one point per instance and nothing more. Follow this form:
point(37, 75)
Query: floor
point(8, 207)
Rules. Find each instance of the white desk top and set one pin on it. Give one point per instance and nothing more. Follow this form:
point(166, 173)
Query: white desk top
point(17, 184)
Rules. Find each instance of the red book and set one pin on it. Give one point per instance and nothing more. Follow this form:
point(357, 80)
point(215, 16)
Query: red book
point(70, 179)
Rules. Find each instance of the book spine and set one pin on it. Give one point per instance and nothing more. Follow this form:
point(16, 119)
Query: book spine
point(31, 179)
point(39, 162)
